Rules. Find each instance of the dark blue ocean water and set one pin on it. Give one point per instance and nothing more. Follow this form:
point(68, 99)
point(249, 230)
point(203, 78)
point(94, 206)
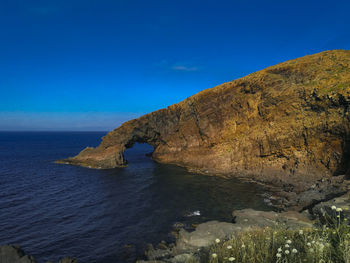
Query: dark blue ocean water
point(54, 210)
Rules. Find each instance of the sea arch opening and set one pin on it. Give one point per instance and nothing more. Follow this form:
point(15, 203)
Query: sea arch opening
point(138, 152)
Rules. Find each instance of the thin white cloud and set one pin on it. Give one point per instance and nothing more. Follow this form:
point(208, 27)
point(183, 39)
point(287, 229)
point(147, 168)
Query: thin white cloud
point(184, 68)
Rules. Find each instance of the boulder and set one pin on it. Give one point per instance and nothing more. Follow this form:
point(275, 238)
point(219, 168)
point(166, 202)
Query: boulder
point(328, 211)
point(249, 218)
point(205, 234)
point(14, 254)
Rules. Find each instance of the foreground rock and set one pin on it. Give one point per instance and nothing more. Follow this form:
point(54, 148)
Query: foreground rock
point(247, 219)
point(191, 245)
point(205, 235)
point(329, 210)
point(14, 254)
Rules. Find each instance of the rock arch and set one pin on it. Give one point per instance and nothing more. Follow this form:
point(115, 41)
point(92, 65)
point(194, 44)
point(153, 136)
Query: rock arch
point(289, 119)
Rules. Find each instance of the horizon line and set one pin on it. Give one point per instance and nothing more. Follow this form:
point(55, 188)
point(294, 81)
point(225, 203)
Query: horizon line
point(53, 131)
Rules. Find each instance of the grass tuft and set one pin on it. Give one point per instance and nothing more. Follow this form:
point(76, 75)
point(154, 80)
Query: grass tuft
point(328, 243)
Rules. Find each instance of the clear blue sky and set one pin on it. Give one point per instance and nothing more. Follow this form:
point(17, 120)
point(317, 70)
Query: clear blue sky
point(92, 64)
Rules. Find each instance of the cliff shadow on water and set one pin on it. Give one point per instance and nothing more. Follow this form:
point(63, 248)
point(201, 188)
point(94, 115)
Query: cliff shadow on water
point(157, 197)
point(102, 215)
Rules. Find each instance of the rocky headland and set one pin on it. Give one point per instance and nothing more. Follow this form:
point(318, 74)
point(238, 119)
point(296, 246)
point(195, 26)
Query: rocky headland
point(286, 126)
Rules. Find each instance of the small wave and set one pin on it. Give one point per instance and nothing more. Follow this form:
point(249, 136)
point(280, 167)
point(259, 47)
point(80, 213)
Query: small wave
point(194, 213)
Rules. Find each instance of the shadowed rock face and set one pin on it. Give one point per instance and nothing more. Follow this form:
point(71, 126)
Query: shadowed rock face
point(288, 119)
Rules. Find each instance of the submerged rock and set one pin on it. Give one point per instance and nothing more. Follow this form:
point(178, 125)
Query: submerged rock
point(68, 260)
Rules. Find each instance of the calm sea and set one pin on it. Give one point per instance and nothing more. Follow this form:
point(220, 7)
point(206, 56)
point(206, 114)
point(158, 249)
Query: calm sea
point(53, 210)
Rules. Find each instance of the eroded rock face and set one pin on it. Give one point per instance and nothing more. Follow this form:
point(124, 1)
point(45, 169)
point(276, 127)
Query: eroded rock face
point(291, 119)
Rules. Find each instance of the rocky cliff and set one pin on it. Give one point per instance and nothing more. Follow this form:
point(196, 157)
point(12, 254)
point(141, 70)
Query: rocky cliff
point(289, 119)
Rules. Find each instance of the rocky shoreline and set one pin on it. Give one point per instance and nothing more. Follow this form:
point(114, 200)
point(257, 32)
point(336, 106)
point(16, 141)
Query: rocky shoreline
point(194, 244)
point(14, 254)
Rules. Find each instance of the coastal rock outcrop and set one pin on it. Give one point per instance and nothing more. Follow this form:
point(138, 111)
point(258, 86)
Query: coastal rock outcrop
point(14, 254)
point(290, 120)
point(191, 246)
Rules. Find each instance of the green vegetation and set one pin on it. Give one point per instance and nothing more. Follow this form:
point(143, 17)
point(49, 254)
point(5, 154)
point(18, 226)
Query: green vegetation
point(333, 88)
point(328, 243)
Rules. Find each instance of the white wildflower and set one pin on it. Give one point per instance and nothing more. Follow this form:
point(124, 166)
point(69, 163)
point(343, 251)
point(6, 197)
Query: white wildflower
point(217, 240)
point(243, 246)
point(294, 251)
point(334, 207)
point(278, 255)
point(308, 244)
point(214, 255)
point(339, 209)
point(286, 252)
point(279, 249)
point(286, 245)
point(301, 232)
point(289, 241)
point(231, 259)
point(229, 247)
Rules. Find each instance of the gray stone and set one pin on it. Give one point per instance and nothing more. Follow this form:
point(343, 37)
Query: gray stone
point(325, 212)
point(249, 218)
point(205, 235)
point(13, 254)
point(156, 254)
point(182, 258)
